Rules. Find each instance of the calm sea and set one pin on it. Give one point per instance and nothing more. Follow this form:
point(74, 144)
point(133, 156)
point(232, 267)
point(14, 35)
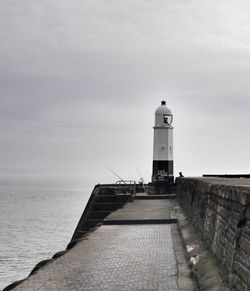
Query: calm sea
point(37, 218)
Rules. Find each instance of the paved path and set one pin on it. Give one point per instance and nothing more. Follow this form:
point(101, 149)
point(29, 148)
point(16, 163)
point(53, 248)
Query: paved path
point(121, 257)
point(144, 209)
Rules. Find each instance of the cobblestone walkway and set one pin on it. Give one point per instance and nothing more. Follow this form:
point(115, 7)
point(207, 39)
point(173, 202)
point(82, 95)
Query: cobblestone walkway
point(124, 257)
point(144, 209)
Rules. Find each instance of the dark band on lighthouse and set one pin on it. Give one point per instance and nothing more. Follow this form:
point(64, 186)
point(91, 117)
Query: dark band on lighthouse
point(163, 165)
point(163, 168)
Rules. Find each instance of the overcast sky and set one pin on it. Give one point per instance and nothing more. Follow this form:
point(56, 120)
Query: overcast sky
point(80, 81)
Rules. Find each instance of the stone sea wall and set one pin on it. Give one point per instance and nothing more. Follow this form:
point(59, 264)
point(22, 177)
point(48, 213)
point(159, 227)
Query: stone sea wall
point(219, 209)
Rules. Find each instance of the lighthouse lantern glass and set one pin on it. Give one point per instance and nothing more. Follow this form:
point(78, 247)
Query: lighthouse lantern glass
point(168, 119)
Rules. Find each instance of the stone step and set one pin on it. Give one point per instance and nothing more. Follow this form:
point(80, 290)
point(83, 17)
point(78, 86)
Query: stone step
point(153, 196)
point(138, 221)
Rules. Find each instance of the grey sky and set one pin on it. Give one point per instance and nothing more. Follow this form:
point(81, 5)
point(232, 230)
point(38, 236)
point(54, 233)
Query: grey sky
point(80, 81)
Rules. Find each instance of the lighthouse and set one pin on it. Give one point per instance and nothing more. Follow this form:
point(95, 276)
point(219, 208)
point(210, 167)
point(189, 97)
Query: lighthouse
point(163, 164)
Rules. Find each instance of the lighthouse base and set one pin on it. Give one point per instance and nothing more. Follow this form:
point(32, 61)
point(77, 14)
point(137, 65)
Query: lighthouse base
point(162, 178)
point(161, 188)
point(163, 171)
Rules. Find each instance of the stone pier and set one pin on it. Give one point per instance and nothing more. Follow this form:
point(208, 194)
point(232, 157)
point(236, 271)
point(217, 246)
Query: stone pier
point(127, 240)
point(136, 247)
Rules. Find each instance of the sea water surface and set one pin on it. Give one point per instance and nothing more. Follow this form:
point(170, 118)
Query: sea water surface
point(38, 216)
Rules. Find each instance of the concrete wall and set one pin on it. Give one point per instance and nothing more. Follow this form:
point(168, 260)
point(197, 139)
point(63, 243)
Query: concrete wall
point(219, 209)
point(104, 199)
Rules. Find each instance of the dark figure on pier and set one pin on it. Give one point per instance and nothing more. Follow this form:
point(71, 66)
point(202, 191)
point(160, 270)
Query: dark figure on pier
point(180, 175)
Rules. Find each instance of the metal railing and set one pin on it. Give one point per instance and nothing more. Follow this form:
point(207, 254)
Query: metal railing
point(130, 183)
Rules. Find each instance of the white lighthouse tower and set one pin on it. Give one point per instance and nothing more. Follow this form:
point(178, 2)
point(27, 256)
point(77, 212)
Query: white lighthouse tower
point(163, 164)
